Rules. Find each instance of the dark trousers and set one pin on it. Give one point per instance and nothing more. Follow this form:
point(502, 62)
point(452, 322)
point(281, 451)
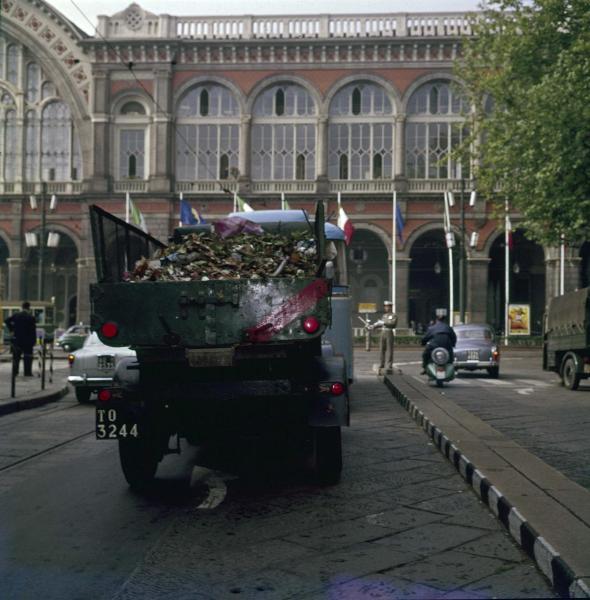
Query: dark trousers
point(27, 353)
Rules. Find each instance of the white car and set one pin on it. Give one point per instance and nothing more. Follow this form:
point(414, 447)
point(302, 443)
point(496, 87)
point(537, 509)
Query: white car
point(93, 366)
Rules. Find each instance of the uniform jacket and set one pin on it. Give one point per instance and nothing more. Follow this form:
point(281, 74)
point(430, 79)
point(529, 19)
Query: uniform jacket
point(23, 327)
point(440, 335)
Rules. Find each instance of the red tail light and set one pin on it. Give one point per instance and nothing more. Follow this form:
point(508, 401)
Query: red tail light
point(105, 395)
point(109, 329)
point(337, 389)
point(310, 324)
point(71, 359)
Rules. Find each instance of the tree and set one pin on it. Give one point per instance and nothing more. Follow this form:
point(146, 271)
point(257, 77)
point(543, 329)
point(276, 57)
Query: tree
point(527, 73)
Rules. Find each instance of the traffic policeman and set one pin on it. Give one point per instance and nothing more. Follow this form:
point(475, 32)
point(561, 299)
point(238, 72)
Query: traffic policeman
point(387, 323)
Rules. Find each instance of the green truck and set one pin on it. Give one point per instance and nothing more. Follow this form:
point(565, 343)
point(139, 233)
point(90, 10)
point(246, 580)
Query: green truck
point(566, 337)
point(237, 357)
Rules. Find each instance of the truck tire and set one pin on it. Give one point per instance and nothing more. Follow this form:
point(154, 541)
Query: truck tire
point(139, 462)
point(569, 375)
point(328, 454)
point(82, 395)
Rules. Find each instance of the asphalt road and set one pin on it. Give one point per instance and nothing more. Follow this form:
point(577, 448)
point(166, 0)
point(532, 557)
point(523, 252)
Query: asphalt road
point(527, 404)
point(401, 524)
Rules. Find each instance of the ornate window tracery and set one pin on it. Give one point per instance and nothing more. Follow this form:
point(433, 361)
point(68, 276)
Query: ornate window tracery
point(207, 133)
point(361, 133)
point(283, 134)
point(435, 127)
point(131, 140)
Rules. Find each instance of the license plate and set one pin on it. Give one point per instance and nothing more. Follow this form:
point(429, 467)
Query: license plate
point(106, 361)
point(112, 425)
point(473, 355)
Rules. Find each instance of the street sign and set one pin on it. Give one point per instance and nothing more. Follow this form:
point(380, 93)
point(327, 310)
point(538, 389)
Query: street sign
point(367, 307)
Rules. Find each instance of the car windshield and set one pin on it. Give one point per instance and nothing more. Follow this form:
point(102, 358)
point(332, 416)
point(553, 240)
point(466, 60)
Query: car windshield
point(474, 334)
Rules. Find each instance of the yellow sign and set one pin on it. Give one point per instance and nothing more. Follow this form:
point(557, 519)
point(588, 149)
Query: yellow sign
point(519, 319)
point(367, 307)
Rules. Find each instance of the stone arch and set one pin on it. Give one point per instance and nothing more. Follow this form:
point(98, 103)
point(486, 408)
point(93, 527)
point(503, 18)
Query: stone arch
point(277, 79)
point(420, 81)
point(422, 229)
point(122, 97)
point(392, 91)
point(204, 79)
point(428, 287)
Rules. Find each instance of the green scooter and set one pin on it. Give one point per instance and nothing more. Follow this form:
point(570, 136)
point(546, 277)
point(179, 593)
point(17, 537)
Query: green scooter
point(440, 367)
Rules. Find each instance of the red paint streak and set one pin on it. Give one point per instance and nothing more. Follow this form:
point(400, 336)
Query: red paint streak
point(296, 306)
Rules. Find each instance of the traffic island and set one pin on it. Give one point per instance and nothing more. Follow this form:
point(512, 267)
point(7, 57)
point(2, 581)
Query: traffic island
point(544, 511)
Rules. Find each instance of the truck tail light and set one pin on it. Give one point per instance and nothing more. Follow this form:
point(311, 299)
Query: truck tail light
point(311, 324)
point(105, 395)
point(337, 389)
point(71, 359)
point(109, 329)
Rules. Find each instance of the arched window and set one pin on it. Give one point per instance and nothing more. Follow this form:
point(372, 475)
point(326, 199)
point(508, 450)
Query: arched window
point(283, 134)
point(435, 127)
point(10, 146)
point(133, 108)
point(56, 142)
point(207, 133)
point(33, 77)
point(12, 64)
point(360, 133)
point(31, 146)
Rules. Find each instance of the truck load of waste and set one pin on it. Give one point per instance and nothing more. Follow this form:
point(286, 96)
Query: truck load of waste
point(234, 248)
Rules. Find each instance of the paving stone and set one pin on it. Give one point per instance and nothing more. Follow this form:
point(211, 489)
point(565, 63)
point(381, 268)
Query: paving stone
point(451, 504)
point(497, 544)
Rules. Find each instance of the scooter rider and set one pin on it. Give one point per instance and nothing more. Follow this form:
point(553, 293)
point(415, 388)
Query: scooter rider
point(439, 335)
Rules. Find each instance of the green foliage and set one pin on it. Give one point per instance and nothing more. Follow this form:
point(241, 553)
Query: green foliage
point(533, 59)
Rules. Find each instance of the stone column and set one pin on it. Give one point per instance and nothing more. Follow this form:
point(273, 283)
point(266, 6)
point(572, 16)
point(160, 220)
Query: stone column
point(477, 288)
point(160, 136)
point(15, 278)
point(97, 171)
point(244, 153)
point(400, 147)
point(572, 279)
point(402, 282)
point(86, 276)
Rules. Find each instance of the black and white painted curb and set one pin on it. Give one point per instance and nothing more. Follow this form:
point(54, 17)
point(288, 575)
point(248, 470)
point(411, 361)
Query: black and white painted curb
point(564, 580)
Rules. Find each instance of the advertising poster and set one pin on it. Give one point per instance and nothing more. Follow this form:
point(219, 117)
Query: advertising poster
point(519, 319)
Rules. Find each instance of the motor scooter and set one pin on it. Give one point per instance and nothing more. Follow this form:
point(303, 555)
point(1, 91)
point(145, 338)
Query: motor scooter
point(440, 367)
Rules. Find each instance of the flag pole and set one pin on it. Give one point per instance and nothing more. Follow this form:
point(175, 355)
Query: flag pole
point(282, 200)
point(448, 238)
point(394, 251)
point(181, 199)
point(235, 201)
point(506, 272)
point(127, 203)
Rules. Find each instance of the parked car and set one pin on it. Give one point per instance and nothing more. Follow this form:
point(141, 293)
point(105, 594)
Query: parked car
point(93, 366)
point(477, 348)
point(73, 338)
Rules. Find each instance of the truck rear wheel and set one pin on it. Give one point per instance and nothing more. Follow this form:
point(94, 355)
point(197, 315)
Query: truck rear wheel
point(569, 374)
point(327, 444)
point(139, 463)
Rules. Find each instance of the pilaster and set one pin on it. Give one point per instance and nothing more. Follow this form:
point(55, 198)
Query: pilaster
point(477, 288)
point(86, 276)
point(15, 278)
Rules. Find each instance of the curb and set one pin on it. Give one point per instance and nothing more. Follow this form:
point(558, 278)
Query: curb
point(564, 580)
point(33, 402)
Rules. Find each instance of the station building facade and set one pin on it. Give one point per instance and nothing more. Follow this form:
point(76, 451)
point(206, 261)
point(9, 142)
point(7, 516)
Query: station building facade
point(307, 106)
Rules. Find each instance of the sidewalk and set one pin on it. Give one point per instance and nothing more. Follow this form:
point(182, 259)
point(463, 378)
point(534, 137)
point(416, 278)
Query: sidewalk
point(28, 392)
point(546, 513)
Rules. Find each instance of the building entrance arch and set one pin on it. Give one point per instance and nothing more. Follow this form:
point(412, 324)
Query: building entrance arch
point(527, 280)
point(429, 278)
point(60, 277)
point(368, 268)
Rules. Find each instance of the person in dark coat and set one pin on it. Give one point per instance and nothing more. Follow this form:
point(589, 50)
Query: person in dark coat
point(439, 335)
point(23, 327)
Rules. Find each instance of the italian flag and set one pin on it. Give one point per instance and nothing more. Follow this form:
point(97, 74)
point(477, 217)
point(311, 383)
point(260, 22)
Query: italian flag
point(345, 224)
point(134, 215)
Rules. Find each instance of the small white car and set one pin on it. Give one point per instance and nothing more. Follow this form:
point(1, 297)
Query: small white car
point(93, 366)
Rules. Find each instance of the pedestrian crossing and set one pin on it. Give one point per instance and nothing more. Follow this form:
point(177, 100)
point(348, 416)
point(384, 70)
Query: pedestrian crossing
point(491, 383)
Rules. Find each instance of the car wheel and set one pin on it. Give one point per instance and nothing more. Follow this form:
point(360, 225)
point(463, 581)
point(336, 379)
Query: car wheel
point(327, 454)
point(82, 395)
point(494, 372)
point(570, 377)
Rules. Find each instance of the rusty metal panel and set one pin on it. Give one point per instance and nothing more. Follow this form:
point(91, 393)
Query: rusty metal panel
point(211, 313)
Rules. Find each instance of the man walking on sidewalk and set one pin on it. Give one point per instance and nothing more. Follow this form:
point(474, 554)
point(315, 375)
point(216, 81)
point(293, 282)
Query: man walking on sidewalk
point(23, 327)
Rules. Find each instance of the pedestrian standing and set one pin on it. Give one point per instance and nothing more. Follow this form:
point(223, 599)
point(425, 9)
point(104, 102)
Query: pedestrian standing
point(387, 323)
point(23, 327)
